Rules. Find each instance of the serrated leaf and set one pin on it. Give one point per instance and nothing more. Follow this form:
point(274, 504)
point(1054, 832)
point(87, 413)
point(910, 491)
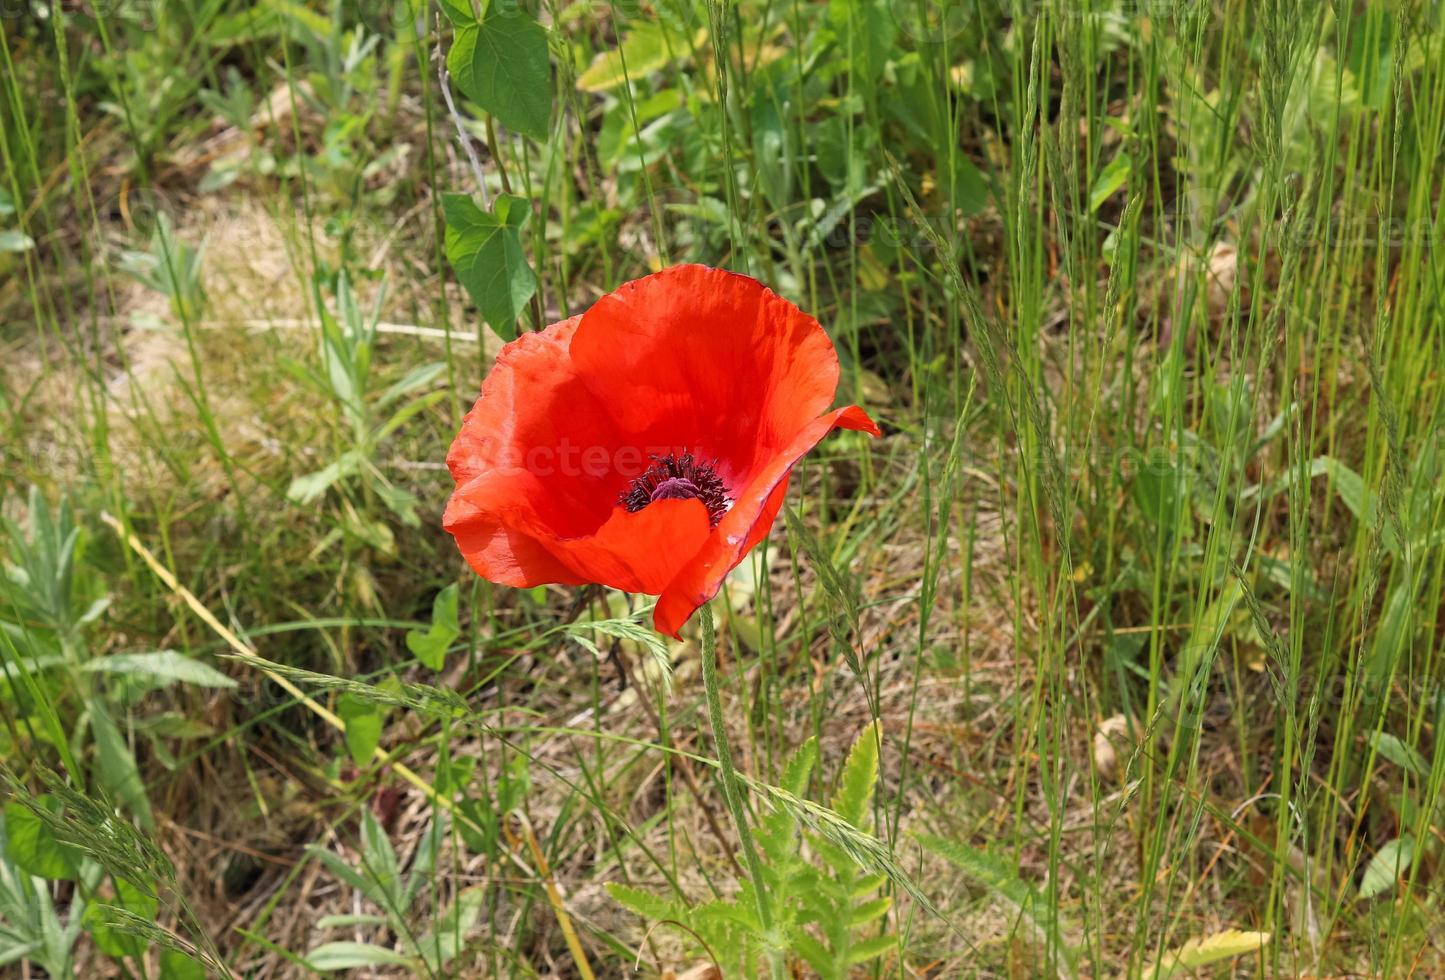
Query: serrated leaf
point(861, 915)
point(501, 64)
point(485, 249)
point(1385, 868)
point(814, 952)
point(1200, 952)
point(165, 666)
point(800, 767)
point(860, 775)
point(870, 949)
point(651, 907)
point(999, 878)
point(430, 646)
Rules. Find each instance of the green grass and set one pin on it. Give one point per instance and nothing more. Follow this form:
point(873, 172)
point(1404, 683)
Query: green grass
point(1144, 582)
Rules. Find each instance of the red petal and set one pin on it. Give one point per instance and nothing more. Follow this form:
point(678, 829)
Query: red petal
point(536, 413)
point(747, 523)
point(500, 532)
point(703, 359)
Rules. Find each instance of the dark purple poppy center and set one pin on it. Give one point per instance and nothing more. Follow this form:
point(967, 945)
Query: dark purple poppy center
point(679, 476)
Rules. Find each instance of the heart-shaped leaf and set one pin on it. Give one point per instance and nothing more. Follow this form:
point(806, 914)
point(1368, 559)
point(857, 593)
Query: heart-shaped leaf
point(486, 252)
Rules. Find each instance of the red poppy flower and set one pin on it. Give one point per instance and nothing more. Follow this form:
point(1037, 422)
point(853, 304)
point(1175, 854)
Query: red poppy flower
point(646, 444)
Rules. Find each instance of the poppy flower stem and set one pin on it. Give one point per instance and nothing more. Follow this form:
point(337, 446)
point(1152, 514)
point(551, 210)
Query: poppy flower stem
point(732, 786)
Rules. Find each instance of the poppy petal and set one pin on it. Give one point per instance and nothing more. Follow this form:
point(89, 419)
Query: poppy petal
point(498, 530)
point(536, 413)
point(704, 359)
point(746, 524)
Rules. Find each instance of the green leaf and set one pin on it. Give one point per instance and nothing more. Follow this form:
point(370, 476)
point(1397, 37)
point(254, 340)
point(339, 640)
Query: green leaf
point(351, 956)
point(32, 846)
point(15, 241)
point(643, 50)
point(379, 862)
point(500, 63)
point(363, 727)
point(646, 904)
point(1110, 179)
point(111, 940)
point(486, 252)
point(440, 944)
point(1401, 754)
point(999, 878)
point(430, 646)
point(176, 965)
point(305, 489)
point(165, 666)
point(800, 767)
point(115, 767)
point(1199, 952)
point(866, 912)
point(1386, 867)
point(860, 775)
point(418, 377)
point(459, 12)
point(870, 949)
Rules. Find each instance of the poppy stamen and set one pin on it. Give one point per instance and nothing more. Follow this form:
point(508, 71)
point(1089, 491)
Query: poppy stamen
point(679, 477)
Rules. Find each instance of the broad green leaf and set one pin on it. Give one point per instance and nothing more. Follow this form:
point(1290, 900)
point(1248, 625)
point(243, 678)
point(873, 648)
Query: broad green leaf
point(860, 775)
point(442, 943)
point(164, 666)
point(34, 849)
point(1110, 179)
point(1401, 754)
point(176, 965)
point(430, 646)
point(501, 64)
point(363, 727)
point(459, 12)
point(1386, 867)
point(486, 252)
point(1202, 951)
point(352, 956)
point(378, 860)
point(643, 50)
point(115, 768)
point(114, 941)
